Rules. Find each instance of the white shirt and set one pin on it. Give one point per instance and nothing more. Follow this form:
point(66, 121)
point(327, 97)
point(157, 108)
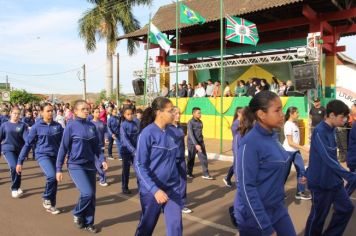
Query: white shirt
point(209, 89)
point(291, 128)
point(199, 92)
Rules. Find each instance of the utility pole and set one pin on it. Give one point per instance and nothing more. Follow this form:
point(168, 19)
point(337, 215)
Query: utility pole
point(84, 84)
point(117, 79)
point(7, 82)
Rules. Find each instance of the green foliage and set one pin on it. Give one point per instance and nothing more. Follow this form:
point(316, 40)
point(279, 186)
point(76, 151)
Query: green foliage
point(102, 96)
point(22, 97)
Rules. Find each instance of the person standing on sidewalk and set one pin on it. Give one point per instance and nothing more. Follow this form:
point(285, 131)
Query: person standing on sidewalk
point(234, 131)
point(292, 146)
point(196, 145)
point(181, 165)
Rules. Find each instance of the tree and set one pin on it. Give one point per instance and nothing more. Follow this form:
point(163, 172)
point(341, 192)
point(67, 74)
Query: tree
point(23, 97)
point(102, 22)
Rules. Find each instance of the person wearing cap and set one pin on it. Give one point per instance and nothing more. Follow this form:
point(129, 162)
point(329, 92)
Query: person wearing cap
point(316, 113)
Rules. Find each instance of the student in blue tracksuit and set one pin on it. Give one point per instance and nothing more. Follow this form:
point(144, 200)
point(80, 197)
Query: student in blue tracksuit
point(325, 176)
point(12, 138)
point(156, 169)
point(234, 127)
point(101, 129)
point(138, 118)
point(114, 129)
point(292, 145)
point(351, 153)
point(29, 121)
point(81, 143)
point(262, 164)
point(5, 116)
point(46, 134)
point(129, 133)
point(181, 164)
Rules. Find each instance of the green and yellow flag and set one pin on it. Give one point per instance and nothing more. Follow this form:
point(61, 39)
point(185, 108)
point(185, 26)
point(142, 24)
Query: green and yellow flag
point(189, 16)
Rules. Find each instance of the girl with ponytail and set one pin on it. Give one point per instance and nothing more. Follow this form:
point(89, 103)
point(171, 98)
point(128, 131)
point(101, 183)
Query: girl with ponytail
point(157, 172)
point(292, 146)
point(262, 166)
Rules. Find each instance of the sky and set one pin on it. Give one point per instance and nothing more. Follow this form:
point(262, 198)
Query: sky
point(41, 37)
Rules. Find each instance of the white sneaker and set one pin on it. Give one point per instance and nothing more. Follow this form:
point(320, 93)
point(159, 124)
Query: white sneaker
point(46, 204)
point(207, 177)
point(16, 193)
point(103, 184)
point(53, 210)
point(186, 210)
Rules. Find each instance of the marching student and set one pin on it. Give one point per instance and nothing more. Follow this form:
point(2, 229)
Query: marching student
point(29, 121)
point(157, 173)
point(129, 132)
point(101, 129)
point(325, 176)
point(261, 169)
point(81, 143)
point(114, 129)
point(109, 135)
point(46, 136)
point(196, 145)
point(138, 118)
point(234, 131)
point(292, 145)
point(5, 116)
point(12, 138)
point(181, 165)
point(351, 150)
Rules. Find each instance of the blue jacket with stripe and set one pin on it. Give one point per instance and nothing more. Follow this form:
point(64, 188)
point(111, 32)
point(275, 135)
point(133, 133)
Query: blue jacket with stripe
point(179, 134)
point(47, 138)
point(128, 137)
point(262, 166)
point(13, 136)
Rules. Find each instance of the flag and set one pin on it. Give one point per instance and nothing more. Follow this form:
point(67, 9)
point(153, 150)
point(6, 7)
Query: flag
point(188, 16)
point(157, 37)
point(239, 30)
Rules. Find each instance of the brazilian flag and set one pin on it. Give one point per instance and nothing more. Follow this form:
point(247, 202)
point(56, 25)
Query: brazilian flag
point(188, 16)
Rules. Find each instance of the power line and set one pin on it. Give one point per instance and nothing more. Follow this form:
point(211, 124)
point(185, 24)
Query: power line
point(40, 75)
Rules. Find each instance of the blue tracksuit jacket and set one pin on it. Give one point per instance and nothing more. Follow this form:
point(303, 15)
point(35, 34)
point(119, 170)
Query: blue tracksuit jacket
point(13, 136)
point(195, 132)
point(29, 121)
point(101, 129)
point(3, 119)
point(114, 125)
point(262, 166)
point(351, 150)
point(47, 138)
point(179, 134)
point(324, 171)
point(155, 161)
point(128, 137)
point(80, 141)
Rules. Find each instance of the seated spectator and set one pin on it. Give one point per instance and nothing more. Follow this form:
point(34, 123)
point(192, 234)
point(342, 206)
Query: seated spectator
point(172, 93)
point(227, 90)
point(258, 89)
point(190, 91)
point(282, 88)
point(251, 90)
point(182, 92)
point(216, 90)
point(209, 88)
point(274, 87)
point(264, 85)
point(289, 87)
point(199, 91)
point(240, 89)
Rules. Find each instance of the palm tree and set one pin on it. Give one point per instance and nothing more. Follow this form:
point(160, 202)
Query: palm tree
point(102, 22)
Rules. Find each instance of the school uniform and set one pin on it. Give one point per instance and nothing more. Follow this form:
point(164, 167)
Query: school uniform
point(156, 168)
point(234, 132)
point(114, 128)
point(351, 151)
point(12, 139)
point(128, 138)
point(291, 128)
point(195, 137)
point(181, 165)
point(81, 143)
point(100, 129)
point(325, 180)
point(4, 119)
point(261, 169)
point(29, 121)
point(47, 139)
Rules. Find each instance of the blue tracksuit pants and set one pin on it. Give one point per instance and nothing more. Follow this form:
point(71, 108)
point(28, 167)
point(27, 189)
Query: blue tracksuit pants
point(283, 226)
point(127, 160)
point(85, 181)
point(48, 166)
point(182, 170)
point(118, 146)
point(230, 173)
point(101, 172)
point(298, 162)
point(151, 211)
point(192, 151)
point(111, 141)
point(321, 204)
point(11, 159)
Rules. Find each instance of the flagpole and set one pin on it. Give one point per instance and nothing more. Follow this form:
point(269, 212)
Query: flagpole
point(177, 48)
point(146, 64)
point(221, 73)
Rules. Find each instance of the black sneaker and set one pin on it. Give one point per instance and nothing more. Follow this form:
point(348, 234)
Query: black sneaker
point(91, 229)
point(227, 182)
point(78, 222)
point(303, 196)
point(190, 176)
point(126, 191)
